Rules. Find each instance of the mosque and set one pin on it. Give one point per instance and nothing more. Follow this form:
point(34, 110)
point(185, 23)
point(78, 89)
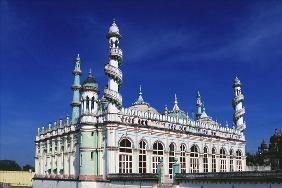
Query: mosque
point(104, 138)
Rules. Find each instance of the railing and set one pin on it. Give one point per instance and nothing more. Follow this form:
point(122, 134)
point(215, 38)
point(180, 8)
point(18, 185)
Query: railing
point(114, 71)
point(237, 99)
point(239, 113)
point(113, 95)
point(116, 52)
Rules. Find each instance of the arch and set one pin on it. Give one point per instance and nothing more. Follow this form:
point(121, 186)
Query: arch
point(194, 159)
point(239, 160)
point(158, 152)
point(222, 158)
point(128, 138)
point(125, 156)
point(231, 160)
point(171, 158)
point(142, 156)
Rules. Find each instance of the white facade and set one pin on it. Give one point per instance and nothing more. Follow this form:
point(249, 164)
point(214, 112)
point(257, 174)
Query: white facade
point(111, 139)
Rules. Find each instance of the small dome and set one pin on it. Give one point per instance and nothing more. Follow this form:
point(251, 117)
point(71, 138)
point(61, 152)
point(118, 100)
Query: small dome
point(237, 82)
point(114, 31)
point(141, 105)
point(114, 28)
point(90, 83)
point(144, 108)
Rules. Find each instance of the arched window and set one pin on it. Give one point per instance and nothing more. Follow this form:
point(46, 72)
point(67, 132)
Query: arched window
point(142, 157)
point(205, 160)
point(158, 153)
point(239, 160)
point(171, 159)
point(194, 159)
point(182, 158)
point(231, 164)
point(222, 158)
point(125, 156)
point(213, 160)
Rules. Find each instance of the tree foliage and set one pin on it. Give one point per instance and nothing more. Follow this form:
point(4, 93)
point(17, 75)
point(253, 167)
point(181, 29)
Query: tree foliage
point(9, 165)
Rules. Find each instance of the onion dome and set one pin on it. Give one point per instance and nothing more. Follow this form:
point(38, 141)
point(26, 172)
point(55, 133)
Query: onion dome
point(237, 82)
point(141, 105)
point(90, 84)
point(114, 30)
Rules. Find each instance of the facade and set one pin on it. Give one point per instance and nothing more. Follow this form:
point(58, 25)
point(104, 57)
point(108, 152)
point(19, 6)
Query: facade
point(103, 137)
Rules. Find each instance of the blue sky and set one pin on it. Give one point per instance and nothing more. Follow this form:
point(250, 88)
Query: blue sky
point(169, 47)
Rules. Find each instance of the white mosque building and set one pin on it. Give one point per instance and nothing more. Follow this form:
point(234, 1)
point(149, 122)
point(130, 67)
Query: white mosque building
point(103, 138)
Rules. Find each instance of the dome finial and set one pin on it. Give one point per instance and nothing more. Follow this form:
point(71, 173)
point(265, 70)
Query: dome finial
point(77, 57)
point(140, 90)
point(175, 99)
point(175, 107)
point(90, 71)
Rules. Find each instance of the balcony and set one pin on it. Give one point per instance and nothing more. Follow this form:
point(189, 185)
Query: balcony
point(116, 52)
point(114, 97)
point(114, 72)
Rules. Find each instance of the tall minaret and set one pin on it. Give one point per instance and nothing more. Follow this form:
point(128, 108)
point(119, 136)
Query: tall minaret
point(112, 70)
point(199, 106)
point(76, 87)
point(237, 104)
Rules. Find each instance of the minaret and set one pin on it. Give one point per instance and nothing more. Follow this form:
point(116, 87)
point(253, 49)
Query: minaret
point(89, 138)
point(238, 105)
point(76, 87)
point(112, 70)
point(199, 106)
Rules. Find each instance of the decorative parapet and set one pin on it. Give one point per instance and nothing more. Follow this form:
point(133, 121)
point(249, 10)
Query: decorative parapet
point(180, 124)
point(57, 128)
point(247, 176)
point(116, 52)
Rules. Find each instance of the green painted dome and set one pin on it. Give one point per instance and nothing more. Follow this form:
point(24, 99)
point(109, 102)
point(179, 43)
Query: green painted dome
point(90, 84)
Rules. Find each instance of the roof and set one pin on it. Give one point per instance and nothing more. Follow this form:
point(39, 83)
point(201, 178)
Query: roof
point(90, 83)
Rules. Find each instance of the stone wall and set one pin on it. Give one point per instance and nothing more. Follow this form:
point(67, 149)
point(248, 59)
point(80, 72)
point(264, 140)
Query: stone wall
point(17, 178)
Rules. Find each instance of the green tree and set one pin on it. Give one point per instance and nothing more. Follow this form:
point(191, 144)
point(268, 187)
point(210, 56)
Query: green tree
point(27, 167)
point(9, 165)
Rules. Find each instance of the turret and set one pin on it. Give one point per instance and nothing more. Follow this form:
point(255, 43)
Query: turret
point(111, 93)
point(76, 87)
point(237, 104)
point(89, 96)
point(199, 106)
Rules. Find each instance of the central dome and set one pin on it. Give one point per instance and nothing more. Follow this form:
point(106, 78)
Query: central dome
point(143, 106)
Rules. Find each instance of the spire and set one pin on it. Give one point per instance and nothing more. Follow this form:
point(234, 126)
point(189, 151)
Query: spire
point(175, 107)
point(198, 105)
point(75, 88)
point(166, 110)
point(140, 99)
point(204, 114)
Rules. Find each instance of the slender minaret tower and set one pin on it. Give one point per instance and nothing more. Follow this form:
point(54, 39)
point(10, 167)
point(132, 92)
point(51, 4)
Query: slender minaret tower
point(76, 87)
point(199, 106)
point(113, 72)
point(238, 105)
